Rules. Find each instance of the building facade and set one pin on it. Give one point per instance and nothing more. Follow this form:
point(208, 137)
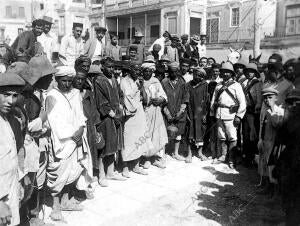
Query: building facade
point(153, 17)
point(15, 16)
point(232, 21)
point(288, 18)
point(64, 13)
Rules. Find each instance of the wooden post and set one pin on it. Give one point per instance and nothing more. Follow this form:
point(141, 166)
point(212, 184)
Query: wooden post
point(130, 30)
point(118, 26)
point(145, 37)
point(257, 28)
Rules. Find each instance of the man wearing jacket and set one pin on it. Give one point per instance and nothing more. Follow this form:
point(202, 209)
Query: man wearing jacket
point(94, 48)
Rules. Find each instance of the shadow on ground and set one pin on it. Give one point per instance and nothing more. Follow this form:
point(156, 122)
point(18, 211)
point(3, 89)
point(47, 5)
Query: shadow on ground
point(237, 202)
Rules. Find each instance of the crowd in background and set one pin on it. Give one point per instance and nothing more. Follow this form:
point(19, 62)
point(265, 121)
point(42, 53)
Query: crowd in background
point(93, 113)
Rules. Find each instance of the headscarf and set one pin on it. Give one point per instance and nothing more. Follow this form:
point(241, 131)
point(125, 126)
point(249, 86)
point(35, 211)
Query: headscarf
point(65, 71)
point(148, 65)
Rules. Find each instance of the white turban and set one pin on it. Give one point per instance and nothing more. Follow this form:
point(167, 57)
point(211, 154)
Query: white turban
point(148, 65)
point(65, 71)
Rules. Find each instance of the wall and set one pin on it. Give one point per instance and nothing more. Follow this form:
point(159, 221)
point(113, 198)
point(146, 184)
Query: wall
point(11, 25)
point(246, 29)
point(281, 13)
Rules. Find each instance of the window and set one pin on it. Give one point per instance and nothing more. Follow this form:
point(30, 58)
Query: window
point(8, 11)
point(212, 30)
point(96, 1)
point(61, 26)
point(2, 30)
point(195, 26)
point(20, 30)
point(293, 20)
point(172, 25)
point(21, 12)
point(42, 6)
point(235, 17)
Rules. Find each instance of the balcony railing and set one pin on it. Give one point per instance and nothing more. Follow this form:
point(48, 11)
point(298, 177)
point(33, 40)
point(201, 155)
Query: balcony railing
point(247, 35)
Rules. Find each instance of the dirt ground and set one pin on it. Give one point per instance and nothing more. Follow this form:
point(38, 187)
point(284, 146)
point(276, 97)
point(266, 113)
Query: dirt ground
point(199, 193)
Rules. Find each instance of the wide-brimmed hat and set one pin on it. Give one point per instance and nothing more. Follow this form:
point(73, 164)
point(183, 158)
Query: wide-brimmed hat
point(11, 79)
point(48, 19)
point(252, 67)
point(195, 38)
point(41, 66)
point(227, 67)
point(23, 70)
point(138, 34)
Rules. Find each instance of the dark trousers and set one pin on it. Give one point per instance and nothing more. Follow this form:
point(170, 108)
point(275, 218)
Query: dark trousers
point(249, 146)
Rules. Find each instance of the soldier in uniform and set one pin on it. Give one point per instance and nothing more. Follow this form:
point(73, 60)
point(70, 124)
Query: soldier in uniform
point(228, 106)
point(250, 123)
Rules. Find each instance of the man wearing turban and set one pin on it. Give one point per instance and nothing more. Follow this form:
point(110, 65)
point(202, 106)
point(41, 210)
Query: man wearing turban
point(67, 122)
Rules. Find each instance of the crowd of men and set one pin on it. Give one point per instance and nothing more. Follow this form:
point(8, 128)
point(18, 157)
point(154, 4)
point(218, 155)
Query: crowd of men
point(94, 113)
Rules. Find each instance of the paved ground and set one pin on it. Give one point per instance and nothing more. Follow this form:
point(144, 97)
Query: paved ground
point(182, 194)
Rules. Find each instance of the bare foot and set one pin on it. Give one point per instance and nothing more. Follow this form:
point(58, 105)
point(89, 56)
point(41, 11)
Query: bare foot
point(126, 173)
point(56, 215)
point(202, 157)
point(178, 157)
point(72, 207)
point(147, 165)
point(139, 170)
point(160, 164)
point(116, 176)
point(103, 182)
point(188, 159)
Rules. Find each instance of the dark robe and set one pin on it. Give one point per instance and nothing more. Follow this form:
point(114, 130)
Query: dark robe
point(93, 120)
point(108, 98)
point(191, 53)
point(177, 95)
point(197, 109)
point(289, 165)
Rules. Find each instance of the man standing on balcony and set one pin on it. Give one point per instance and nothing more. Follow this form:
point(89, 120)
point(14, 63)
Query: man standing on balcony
point(140, 47)
point(94, 48)
point(72, 46)
point(47, 39)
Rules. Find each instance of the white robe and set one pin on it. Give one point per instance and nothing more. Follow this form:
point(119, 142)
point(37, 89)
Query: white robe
point(65, 117)
point(9, 186)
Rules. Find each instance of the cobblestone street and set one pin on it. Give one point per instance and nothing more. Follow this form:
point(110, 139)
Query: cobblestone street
point(195, 194)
